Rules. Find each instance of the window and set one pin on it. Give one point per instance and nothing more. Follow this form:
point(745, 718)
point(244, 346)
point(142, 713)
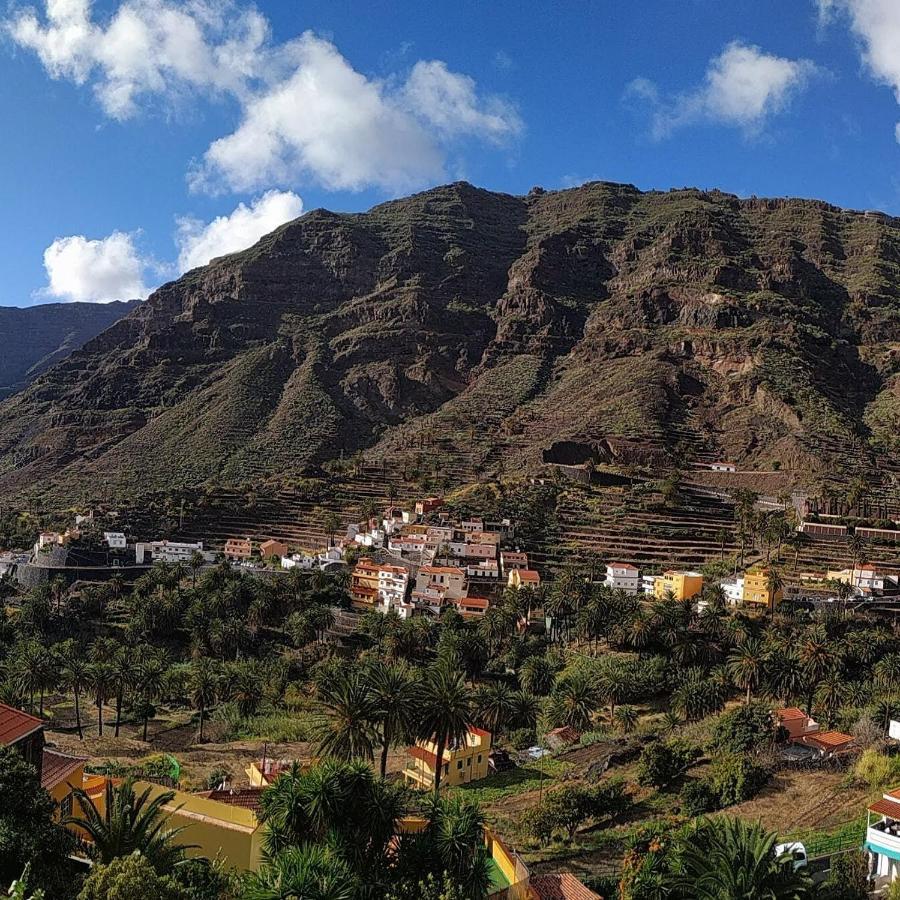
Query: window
point(469, 762)
point(459, 764)
point(446, 768)
point(65, 806)
point(479, 758)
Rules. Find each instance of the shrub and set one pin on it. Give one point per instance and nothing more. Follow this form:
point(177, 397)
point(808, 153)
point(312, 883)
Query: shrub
point(698, 797)
point(126, 878)
point(877, 769)
point(664, 761)
point(736, 779)
point(744, 729)
point(848, 878)
point(522, 738)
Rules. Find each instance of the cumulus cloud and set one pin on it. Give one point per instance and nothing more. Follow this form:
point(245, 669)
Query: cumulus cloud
point(80, 269)
point(743, 87)
point(307, 114)
point(876, 24)
point(149, 48)
point(330, 124)
point(200, 242)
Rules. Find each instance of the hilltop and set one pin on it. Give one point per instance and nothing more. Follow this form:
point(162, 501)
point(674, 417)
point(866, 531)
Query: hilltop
point(34, 338)
point(500, 331)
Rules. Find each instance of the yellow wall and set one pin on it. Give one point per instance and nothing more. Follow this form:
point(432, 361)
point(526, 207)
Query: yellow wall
point(757, 592)
point(215, 827)
point(682, 585)
point(469, 763)
point(62, 790)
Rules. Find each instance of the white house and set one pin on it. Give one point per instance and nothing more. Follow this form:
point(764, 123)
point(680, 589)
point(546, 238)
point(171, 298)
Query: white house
point(723, 467)
point(298, 561)
point(169, 552)
point(115, 540)
point(734, 590)
point(623, 577)
point(648, 584)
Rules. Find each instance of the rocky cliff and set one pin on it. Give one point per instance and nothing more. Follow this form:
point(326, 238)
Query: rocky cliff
point(36, 337)
point(482, 332)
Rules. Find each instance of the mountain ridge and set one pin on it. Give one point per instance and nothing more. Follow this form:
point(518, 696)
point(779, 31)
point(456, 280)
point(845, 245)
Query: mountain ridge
point(634, 327)
point(34, 338)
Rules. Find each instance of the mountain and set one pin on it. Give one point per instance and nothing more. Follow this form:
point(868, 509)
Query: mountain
point(36, 337)
point(469, 332)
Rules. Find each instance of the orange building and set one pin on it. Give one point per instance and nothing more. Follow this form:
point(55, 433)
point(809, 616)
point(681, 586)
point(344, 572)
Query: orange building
point(238, 548)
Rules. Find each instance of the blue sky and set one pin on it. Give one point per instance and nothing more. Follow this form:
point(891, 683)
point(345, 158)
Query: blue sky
point(133, 131)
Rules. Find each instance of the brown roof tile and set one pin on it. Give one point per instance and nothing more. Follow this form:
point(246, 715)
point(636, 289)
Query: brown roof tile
point(563, 886)
point(57, 767)
point(15, 724)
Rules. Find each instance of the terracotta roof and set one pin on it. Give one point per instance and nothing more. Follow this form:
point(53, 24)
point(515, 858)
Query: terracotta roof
point(563, 886)
point(790, 712)
point(57, 767)
point(621, 565)
point(828, 740)
point(474, 602)
point(886, 808)
point(442, 570)
point(479, 731)
point(528, 575)
point(565, 733)
point(424, 755)
point(15, 724)
point(246, 798)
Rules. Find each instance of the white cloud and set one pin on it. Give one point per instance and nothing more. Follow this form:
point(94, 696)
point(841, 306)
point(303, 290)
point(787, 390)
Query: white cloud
point(148, 48)
point(743, 87)
point(449, 101)
point(330, 124)
point(876, 24)
point(79, 269)
point(307, 114)
point(200, 242)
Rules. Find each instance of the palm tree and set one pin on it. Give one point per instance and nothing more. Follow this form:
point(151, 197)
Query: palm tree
point(575, 701)
point(626, 717)
point(125, 673)
point(102, 677)
point(203, 683)
point(309, 871)
point(746, 665)
point(445, 704)
point(394, 698)
point(128, 823)
point(151, 677)
point(536, 675)
point(346, 730)
point(735, 859)
point(494, 706)
point(76, 675)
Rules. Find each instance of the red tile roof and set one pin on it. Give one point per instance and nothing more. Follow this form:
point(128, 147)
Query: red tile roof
point(563, 886)
point(246, 798)
point(57, 767)
point(790, 712)
point(886, 808)
point(424, 755)
point(828, 740)
point(15, 724)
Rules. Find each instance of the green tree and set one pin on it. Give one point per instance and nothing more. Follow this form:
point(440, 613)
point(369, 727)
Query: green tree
point(746, 665)
point(128, 877)
point(75, 674)
point(346, 727)
point(393, 696)
point(445, 705)
point(302, 873)
point(203, 683)
point(734, 859)
point(28, 834)
point(574, 701)
point(129, 822)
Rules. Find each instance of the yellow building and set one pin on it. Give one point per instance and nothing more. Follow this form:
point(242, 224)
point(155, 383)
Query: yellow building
point(462, 764)
point(681, 585)
point(758, 592)
point(364, 584)
point(60, 774)
point(266, 772)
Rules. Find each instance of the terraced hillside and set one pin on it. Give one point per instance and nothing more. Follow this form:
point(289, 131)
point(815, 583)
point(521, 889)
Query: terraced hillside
point(470, 334)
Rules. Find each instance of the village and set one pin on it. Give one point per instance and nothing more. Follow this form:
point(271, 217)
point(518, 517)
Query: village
point(420, 562)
